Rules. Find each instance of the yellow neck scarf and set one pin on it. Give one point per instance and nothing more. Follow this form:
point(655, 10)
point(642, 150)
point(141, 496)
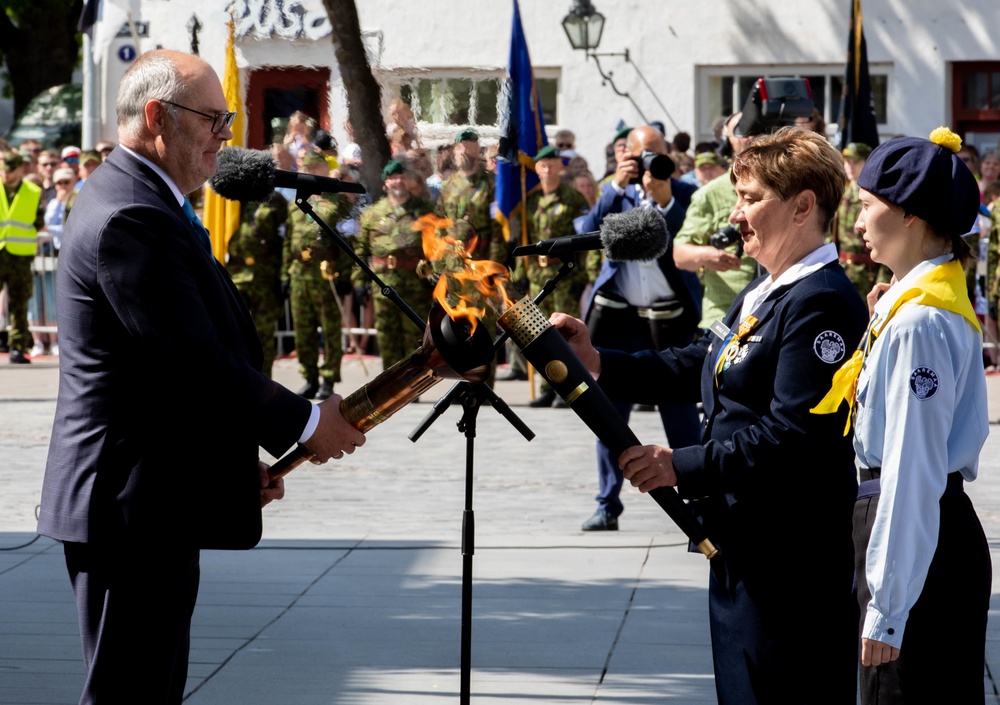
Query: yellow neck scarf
point(943, 287)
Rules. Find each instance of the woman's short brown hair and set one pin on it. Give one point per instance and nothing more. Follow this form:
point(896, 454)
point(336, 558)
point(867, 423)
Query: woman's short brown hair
point(792, 160)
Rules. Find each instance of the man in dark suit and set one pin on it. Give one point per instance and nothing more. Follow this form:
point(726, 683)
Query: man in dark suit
point(159, 357)
point(641, 305)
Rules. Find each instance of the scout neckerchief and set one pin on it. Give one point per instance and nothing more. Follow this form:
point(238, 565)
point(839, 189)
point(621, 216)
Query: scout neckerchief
point(943, 287)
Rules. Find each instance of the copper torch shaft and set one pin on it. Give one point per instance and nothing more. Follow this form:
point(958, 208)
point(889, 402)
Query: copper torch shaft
point(551, 355)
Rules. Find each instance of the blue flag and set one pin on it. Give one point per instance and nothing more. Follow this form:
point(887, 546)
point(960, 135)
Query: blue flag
point(522, 133)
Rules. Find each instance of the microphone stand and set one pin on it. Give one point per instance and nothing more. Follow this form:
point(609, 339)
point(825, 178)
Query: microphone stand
point(471, 396)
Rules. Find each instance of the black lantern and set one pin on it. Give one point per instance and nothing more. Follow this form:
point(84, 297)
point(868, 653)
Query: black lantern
point(583, 26)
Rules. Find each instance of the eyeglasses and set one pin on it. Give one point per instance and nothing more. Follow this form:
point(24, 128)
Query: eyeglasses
point(564, 145)
point(72, 160)
point(64, 183)
point(48, 164)
point(220, 121)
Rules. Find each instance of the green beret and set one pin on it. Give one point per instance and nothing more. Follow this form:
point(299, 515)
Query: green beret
point(706, 158)
point(857, 150)
point(392, 167)
point(12, 160)
point(310, 158)
point(621, 134)
point(467, 135)
point(548, 152)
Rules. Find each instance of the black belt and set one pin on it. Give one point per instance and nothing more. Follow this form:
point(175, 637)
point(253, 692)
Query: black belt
point(871, 485)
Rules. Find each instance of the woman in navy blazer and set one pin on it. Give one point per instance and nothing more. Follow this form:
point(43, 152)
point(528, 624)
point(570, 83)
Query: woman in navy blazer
point(774, 484)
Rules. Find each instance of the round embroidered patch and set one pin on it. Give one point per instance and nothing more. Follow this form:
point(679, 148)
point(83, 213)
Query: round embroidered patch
point(829, 347)
point(923, 383)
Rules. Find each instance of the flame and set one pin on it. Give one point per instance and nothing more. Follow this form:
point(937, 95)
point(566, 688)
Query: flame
point(467, 288)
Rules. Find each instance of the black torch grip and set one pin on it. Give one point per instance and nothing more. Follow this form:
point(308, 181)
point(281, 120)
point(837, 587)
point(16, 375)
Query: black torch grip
point(551, 355)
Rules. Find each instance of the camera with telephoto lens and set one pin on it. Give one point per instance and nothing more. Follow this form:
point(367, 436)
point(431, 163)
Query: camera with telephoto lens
point(774, 103)
point(726, 237)
point(659, 166)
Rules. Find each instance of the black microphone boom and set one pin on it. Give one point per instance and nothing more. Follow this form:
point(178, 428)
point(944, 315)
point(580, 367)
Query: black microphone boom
point(637, 234)
point(249, 176)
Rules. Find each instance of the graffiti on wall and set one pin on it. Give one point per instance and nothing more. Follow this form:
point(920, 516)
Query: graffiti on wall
point(286, 19)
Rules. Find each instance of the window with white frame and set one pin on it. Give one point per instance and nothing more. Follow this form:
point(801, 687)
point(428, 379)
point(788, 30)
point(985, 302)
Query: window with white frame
point(467, 97)
point(724, 89)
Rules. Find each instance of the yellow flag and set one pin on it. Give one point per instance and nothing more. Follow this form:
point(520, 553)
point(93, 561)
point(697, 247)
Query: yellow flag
point(222, 216)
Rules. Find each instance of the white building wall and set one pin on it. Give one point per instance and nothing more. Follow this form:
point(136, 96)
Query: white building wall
point(673, 44)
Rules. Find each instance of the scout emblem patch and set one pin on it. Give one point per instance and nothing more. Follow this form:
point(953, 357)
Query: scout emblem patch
point(923, 383)
point(829, 347)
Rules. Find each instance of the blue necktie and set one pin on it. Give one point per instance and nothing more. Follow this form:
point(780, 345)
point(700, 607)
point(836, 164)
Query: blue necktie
point(196, 224)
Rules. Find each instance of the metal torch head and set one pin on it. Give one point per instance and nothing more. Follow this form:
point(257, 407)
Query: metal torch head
point(462, 355)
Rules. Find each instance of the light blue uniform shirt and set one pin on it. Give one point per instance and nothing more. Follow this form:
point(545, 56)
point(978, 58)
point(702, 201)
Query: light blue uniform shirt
point(921, 414)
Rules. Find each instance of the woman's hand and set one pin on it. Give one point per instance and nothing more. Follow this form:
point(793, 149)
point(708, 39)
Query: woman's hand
point(876, 653)
point(648, 467)
point(876, 293)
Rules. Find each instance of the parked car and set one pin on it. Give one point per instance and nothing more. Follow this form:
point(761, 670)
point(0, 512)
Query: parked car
point(54, 117)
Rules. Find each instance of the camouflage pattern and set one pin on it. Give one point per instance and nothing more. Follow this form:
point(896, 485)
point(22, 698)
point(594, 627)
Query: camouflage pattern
point(16, 272)
point(862, 272)
point(550, 216)
point(254, 263)
point(313, 300)
point(992, 258)
point(470, 199)
point(392, 248)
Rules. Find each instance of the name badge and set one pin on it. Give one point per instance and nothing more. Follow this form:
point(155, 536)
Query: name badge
point(719, 328)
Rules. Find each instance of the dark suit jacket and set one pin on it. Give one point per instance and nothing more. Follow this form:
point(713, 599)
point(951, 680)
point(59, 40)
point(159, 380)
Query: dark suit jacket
point(161, 403)
point(685, 284)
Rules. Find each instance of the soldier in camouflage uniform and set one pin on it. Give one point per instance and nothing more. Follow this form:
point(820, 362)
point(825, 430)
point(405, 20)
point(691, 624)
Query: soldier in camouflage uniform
point(468, 194)
point(550, 211)
point(313, 300)
point(993, 274)
point(254, 263)
point(854, 255)
point(393, 250)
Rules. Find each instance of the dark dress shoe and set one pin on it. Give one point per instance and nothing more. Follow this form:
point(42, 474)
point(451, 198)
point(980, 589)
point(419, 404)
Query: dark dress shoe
point(325, 390)
point(601, 521)
point(543, 401)
point(309, 391)
point(19, 358)
point(510, 375)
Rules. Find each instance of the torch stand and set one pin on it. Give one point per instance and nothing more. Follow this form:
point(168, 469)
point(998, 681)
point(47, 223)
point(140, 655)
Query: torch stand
point(472, 396)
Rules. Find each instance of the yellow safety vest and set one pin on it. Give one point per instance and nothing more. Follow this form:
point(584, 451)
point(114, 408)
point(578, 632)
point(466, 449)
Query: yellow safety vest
point(17, 220)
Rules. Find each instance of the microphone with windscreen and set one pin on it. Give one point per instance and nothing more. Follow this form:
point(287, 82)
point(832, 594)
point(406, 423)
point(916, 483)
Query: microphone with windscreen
point(639, 234)
point(249, 176)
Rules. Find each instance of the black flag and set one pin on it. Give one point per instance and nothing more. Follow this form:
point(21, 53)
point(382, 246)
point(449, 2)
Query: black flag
point(857, 109)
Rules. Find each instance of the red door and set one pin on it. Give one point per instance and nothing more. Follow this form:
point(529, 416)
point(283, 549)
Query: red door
point(275, 93)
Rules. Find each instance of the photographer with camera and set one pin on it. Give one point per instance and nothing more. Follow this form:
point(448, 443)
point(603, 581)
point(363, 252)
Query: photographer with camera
point(708, 244)
point(641, 305)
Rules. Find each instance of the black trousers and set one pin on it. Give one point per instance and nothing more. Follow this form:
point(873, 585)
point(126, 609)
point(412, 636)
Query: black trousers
point(942, 656)
point(135, 606)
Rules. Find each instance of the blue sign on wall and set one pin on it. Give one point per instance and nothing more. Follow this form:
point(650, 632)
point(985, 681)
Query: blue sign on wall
point(127, 53)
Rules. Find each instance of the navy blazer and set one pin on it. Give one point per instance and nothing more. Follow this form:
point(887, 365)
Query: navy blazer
point(685, 284)
point(161, 404)
point(771, 477)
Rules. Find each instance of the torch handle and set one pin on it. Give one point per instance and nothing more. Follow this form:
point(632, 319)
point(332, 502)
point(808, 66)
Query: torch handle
point(375, 402)
point(552, 356)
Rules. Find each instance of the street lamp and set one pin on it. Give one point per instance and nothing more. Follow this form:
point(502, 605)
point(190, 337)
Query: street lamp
point(583, 26)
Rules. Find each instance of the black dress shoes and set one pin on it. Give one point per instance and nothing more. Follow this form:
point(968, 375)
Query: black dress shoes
point(601, 521)
point(325, 390)
point(19, 358)
point(544, 400)
point(309, 391)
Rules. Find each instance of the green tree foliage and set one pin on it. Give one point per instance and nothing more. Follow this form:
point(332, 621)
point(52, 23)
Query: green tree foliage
point(39, 41)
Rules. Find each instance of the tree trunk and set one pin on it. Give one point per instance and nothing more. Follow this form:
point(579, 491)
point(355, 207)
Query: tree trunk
point(364, 95)
point(41, 49)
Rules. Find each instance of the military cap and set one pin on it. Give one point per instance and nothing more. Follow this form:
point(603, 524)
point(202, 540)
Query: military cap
point(392, 167)
point(90, 155)
point(467, 135)
point(925, 178)
point(547, 152)
point(621, 134)
point(12, 160)
point(706, 158)
point(857, 150)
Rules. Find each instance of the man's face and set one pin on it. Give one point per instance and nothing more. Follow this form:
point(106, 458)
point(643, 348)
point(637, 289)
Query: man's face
point(620, 148)
point(467, 155)
point(549, 171)
point(189, 148)
point(853, 167)
point(46, 166)
point(11, 177)
point(395, 186)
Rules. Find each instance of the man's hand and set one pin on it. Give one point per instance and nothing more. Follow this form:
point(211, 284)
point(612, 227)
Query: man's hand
point(576, 334)
point(694, 257)
point(626, 170)
point(657, 189)
point(648, 467)
point(333, 436)
point(876, 653)
point(269, 491)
